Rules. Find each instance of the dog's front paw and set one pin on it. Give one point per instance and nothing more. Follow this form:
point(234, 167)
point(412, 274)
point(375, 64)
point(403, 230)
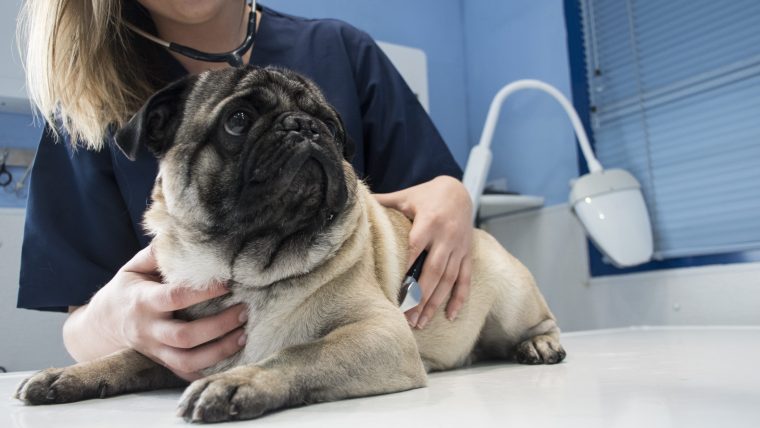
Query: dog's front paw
point(241, 393)
point(542, 349)
point(52, 386)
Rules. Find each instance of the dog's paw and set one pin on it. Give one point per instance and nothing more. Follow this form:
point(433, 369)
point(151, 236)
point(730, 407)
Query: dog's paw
point(53, 386)
point(542, 349)
point(241, 393)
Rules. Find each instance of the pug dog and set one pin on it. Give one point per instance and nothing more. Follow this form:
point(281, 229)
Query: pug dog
point(255, 190)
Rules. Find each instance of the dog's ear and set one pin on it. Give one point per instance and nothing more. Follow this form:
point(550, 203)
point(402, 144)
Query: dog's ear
point(155, 124)
point(348, 148)
point(347, 145)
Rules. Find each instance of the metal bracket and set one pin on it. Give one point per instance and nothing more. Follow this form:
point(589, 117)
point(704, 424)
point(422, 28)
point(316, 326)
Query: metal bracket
point(17, 157)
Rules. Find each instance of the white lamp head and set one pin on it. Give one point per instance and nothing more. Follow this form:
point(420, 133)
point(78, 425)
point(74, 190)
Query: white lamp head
point(611, 207)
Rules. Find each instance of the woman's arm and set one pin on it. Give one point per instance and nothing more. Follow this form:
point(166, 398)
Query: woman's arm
point(440, 211)
point(78, 232)
point(134, 310)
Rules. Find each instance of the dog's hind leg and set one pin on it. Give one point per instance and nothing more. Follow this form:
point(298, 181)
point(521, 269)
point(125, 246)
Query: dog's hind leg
point(541, 349)
point(537, 345)
point(445, 344)
point(119, 373)
point(519, 325)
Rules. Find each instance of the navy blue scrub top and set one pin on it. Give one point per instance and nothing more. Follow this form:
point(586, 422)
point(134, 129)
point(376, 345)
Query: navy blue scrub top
point(85, 208)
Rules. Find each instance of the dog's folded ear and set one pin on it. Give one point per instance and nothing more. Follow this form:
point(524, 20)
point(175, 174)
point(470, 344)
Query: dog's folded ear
point(347, 145)
point(349, 148)
point(155, 124)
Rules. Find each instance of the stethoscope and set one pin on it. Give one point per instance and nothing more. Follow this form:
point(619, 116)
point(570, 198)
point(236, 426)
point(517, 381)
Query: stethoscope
point(233, 57)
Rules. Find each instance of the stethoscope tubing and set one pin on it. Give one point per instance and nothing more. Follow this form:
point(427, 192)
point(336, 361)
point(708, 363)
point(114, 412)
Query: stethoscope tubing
point(233, 57)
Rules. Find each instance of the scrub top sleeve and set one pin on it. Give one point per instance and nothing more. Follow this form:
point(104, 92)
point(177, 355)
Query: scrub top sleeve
point(78, 232)
point(402, 147)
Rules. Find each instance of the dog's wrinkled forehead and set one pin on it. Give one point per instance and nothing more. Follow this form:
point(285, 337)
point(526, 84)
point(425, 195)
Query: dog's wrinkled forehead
point(283, 88)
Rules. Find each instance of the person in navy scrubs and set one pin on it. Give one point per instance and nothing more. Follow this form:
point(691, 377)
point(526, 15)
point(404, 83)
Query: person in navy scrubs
point(84, 249)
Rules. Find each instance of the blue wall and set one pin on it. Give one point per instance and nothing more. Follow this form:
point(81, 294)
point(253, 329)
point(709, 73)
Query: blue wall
point(474, 47)
point(435, 26)
point(534, 146)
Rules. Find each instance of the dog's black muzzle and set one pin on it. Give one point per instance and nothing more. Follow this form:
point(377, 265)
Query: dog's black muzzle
point(297, 159)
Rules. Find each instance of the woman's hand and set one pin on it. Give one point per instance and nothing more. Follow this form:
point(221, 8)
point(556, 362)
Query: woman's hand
point(135, 310)
point(440, 210)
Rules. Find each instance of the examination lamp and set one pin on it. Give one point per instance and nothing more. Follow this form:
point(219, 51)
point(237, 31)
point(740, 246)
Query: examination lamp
point(608, 203)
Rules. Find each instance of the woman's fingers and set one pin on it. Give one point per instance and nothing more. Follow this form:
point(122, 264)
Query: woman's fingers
point(418, 242)
point(189, 334)
point(432, 271)
point(461, 289)
point(187, 362)
point(144, 262)
point(442, 290)
point(387, 199)
point(397, 200)
point(173, 297)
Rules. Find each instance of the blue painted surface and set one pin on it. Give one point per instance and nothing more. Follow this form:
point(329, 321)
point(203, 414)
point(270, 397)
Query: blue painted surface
point(533, 146)
point(435, 26)
point(473, 49)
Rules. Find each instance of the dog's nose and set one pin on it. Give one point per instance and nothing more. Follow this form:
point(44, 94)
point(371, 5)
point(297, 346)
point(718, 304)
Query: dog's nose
point(304, 126)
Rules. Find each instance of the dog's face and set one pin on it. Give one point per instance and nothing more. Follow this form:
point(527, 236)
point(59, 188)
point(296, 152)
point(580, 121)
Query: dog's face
point(251, 163)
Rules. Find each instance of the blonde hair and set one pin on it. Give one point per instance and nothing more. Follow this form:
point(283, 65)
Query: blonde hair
point(81, 72)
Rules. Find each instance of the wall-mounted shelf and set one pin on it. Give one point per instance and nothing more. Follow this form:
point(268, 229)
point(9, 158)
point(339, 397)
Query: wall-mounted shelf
point(498, 205)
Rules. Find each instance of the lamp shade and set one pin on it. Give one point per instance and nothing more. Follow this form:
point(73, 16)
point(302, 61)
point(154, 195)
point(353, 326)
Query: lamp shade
point(611, 208)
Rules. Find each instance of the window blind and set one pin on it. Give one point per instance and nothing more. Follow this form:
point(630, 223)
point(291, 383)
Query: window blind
point(674, 88)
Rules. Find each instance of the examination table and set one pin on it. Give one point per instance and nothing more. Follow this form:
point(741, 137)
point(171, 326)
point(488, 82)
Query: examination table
point(636, 377)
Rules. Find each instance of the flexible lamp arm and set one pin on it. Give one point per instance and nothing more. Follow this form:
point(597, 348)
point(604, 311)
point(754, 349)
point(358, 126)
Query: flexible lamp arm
point(479, 161)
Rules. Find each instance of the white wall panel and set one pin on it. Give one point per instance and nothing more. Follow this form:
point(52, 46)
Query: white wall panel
point(552, 244)
point(28, 339)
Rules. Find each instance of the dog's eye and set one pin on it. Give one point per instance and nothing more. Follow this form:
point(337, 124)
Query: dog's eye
point(238, 123)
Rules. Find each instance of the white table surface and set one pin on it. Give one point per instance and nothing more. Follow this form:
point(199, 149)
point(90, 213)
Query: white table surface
point(640, 377)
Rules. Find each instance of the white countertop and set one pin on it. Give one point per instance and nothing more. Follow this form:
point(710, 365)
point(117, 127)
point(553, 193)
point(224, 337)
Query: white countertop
point(498, 205)
point(641, 377)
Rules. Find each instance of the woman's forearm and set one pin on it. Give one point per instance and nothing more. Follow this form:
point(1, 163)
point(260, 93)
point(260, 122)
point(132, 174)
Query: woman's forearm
point(84, 338)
